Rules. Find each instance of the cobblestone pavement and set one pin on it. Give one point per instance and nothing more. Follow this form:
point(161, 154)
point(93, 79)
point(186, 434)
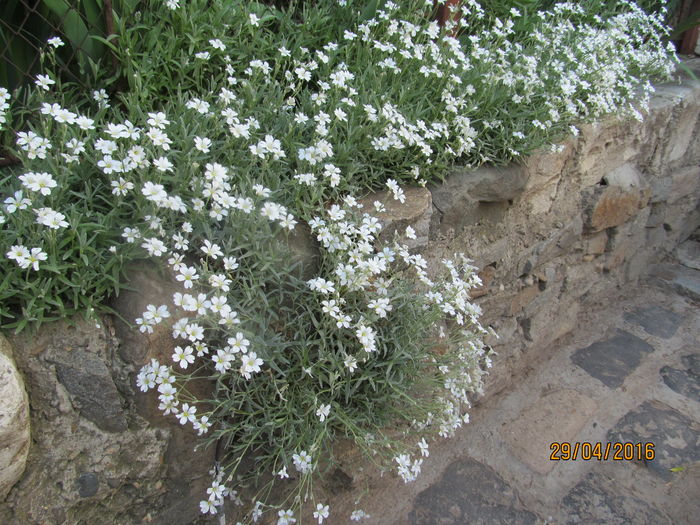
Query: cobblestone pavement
point(629, 374)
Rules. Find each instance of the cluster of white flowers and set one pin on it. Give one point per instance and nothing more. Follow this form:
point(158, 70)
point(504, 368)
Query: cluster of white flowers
point(4, 105)
point(567, 69)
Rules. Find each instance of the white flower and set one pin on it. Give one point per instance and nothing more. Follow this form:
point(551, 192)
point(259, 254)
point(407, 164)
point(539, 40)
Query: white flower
point(187, 414)
point(212, 250)
point(238, 343)
point(34, 258)
point(183, 356)
point(321, 512)
point(55, 42)
point(302, 461)
point(230, 263)
point(423, 448)
point(358, 515)
point(41, 182)
point(286, 517)
point(250, 363)
point(205, 506)
point(187, 275)
point(283, 473)
point(202, 144)
point(322, 412)
point(50, 218)
point(16, 202)
point(350, 363)
point(254, 19)
point(163, 164)
point(44, 82)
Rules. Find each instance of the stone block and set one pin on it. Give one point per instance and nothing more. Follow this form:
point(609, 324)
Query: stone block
point(415, 212)
point(14, 421)
point(676, 185)
point(150, 286)
point(523, 298)
point(606, 146)
point(557, 416)
point(549, 318)
point(674, 435)
point(685, 281)
point(655, 320)
point(541, 199)
point(598, 499)
point(89, 382)
point(684, 381)
point(612, 360)
point(470, 492)
point(610, 206)
point(688, 254)
point(626, 177)
point(596, 243)
point(485, 184)
point(304, 251)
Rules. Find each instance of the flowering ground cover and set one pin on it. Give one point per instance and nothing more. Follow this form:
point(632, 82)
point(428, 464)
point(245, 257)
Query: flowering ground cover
point(240, 123)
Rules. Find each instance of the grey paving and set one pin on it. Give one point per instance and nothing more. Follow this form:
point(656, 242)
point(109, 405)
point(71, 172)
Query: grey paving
point(655, 320)
point(632, 377)
point(676, 437)
point(684, 280)
point(470, 492)
point(612, 360)
point(597, 499)
point(684, 381)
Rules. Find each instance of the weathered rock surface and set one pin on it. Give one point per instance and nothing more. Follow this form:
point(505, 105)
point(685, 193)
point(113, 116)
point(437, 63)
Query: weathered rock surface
point(611, 206)
point(14, 421)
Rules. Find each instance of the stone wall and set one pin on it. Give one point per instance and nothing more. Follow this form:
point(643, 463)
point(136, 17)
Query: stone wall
point(618, 198)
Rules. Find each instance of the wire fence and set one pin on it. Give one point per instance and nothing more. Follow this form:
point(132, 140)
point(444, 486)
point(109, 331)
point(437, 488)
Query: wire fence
point(26, 25)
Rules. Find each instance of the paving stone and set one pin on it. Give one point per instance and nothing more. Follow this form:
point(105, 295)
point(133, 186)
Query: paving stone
point(685, 281)
point(597, 499)
point(470, 492)
point(676, 438)
point(685, 382)
point(558, 416)
point(655, 320)
point(612, 360)
point(688, 254)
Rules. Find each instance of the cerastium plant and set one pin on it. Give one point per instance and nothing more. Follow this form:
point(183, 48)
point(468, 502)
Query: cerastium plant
point(246, 126)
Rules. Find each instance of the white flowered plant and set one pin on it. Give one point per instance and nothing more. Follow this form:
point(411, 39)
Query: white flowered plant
point(268, 127)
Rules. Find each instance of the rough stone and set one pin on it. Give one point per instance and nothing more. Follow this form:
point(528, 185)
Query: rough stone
point(66, 444)
point(676, 438)
point(150, 286)
point(611, 206)
point(688, 254)
point(470, 492)
point(685, 382)
point(597, 499)
point(596, 243)
point(655, 320)
point(88, 483)
point(676, 185)
point(626, 177)
point(557, 416)
point(685, 281)
point(523, 298)
point(612, 360)
point(14, 421)
point(304, 250)
point(415, 212)
point(92, 390)
point(486, 184)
